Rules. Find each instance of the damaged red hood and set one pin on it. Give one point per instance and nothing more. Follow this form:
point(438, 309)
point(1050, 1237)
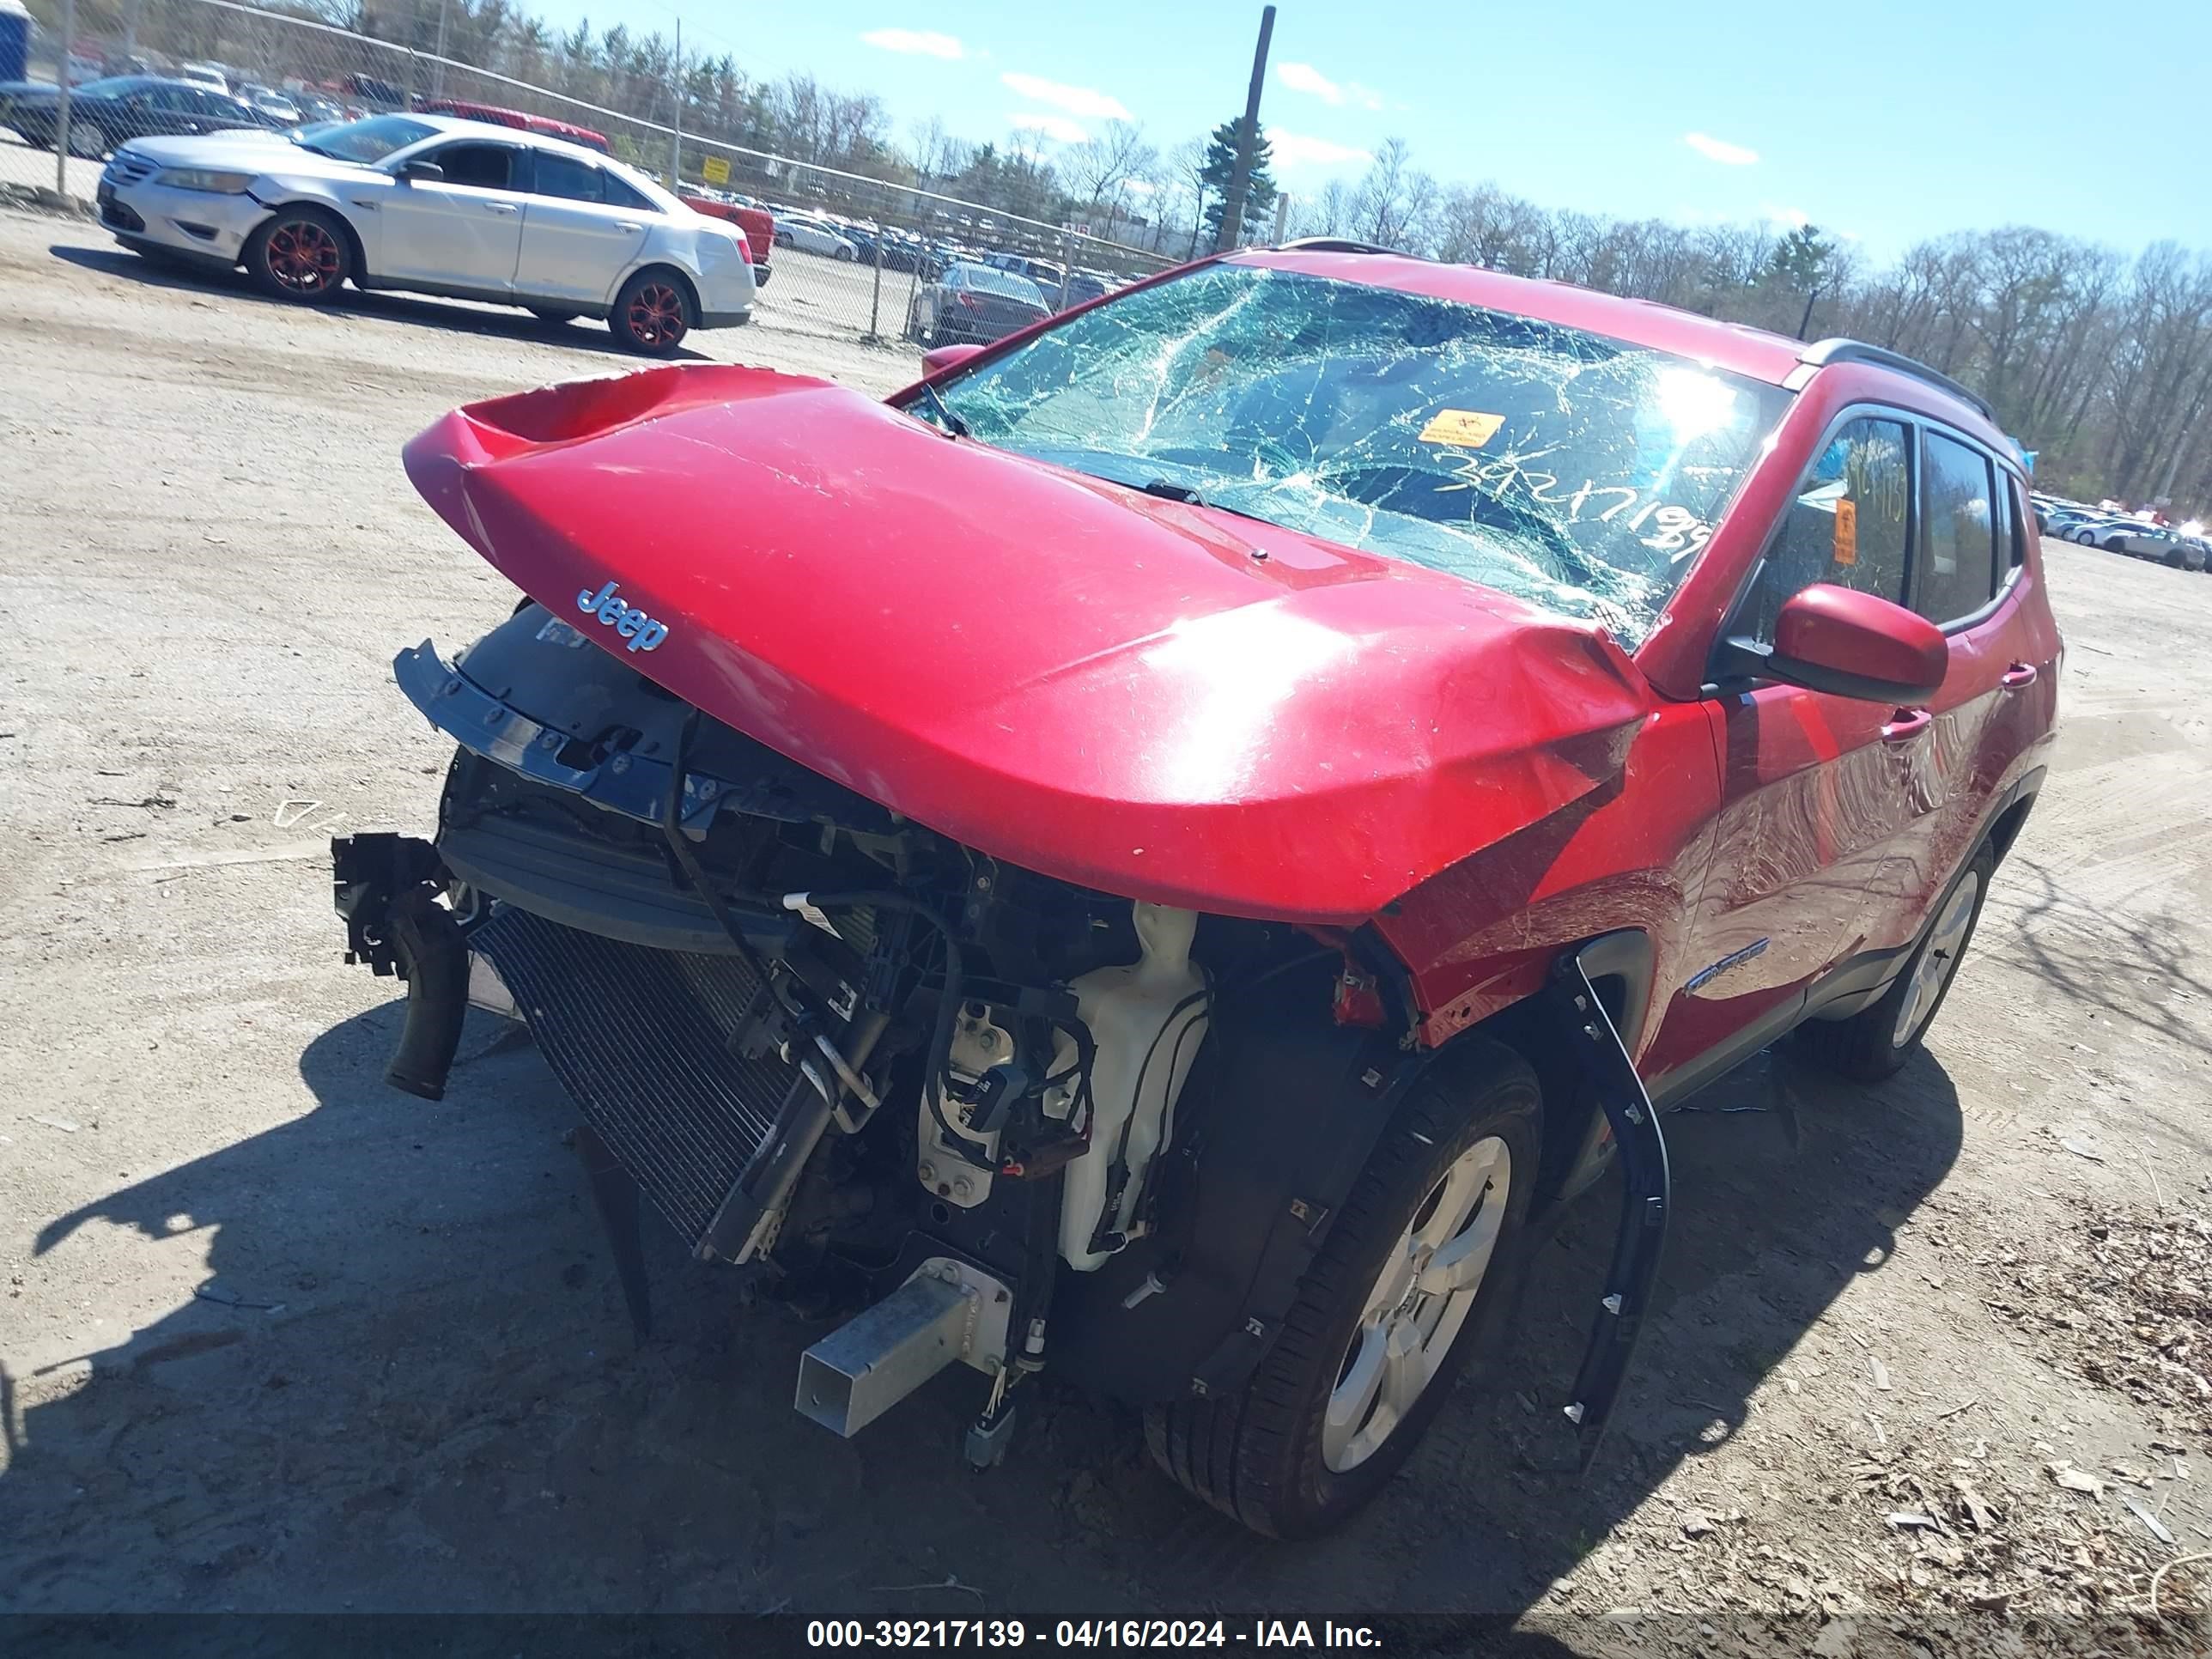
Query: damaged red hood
point(1159, 700)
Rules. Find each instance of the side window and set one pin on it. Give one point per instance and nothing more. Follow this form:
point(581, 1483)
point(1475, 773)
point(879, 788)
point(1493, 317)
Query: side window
point(1849, 524)
point(565, 177)
point(481, 166)
point(2014, 552)
point(621, 195)
point(183, 99)
point(1955, 571)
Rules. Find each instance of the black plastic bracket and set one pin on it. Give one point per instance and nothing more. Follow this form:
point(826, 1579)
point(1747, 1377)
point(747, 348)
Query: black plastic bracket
point(368, 873)
point(1641, 1240)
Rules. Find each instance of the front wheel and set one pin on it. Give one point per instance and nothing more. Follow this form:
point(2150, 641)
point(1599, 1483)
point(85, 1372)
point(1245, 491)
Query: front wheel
point(87, 142)
point(301, 254)
point(651, 314)
point(1415, 1279)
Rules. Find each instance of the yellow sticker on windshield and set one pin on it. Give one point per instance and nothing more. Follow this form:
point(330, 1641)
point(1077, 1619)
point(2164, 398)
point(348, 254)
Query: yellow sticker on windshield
point(1847, 531)
point(1463, 427)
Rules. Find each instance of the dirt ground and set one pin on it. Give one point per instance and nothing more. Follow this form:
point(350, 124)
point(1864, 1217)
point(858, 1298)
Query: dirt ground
point(277, 1338)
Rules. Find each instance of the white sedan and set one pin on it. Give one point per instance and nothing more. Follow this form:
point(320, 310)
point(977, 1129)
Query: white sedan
point(437, 205)
point(811, 236)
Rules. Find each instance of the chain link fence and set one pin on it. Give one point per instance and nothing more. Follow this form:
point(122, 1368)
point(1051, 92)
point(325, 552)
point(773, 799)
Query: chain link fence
point(852, 252)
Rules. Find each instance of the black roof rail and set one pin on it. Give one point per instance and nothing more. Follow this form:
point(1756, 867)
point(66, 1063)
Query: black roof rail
point(1821, 353)
point(1337, 244)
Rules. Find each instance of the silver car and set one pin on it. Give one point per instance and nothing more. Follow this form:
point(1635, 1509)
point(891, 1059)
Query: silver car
point(437, 205)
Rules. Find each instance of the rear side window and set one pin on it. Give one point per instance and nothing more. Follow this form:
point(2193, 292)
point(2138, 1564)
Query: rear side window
point(621, 195)
point(1850, 524)
point(481, 166)
point(567, 178)
point(1956, 570)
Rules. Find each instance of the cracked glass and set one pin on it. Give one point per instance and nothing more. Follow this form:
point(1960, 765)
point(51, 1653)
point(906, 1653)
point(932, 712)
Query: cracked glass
point(1580, 473)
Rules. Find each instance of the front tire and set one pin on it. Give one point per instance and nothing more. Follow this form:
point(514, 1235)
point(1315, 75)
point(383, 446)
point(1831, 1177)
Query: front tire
point(301, 254)
point(653, 313)
point(1415, 1279)
point(1875, 1043)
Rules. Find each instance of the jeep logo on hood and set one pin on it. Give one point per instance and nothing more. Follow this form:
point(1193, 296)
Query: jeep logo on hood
point(642, 632)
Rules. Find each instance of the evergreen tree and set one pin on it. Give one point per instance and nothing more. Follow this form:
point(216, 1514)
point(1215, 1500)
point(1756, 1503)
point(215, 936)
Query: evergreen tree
point(1221, 163)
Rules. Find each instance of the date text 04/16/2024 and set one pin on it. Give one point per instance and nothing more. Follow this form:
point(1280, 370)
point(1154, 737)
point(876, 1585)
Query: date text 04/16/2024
point(1069, 1633)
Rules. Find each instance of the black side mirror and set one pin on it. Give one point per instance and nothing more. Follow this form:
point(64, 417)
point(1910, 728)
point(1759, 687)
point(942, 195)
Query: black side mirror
point(421, 173)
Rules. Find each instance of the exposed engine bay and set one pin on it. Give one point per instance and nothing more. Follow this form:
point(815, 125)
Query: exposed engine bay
point(806, 1031)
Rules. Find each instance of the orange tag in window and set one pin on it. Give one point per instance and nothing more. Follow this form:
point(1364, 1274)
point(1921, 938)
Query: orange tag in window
point(1463, 427)
point(1847, 531)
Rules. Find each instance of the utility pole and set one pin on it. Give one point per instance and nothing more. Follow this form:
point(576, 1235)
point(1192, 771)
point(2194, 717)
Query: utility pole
point(1248, 140)
point(675, 142)
point(438, 69)
point(61, 145)
point(1282, 213)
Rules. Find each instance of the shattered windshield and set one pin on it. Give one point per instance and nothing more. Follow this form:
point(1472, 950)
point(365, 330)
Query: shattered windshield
point(1580, 473)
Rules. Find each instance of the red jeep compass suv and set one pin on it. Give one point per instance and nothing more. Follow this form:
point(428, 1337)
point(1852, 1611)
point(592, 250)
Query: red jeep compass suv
point(1155, 853)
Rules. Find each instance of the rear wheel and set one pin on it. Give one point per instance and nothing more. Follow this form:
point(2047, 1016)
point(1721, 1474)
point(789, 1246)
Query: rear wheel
point(555, 315)
point(1876, 1041)
point(87, 141)
point(301, 254)
point(1414, 1280)
point(653, 313)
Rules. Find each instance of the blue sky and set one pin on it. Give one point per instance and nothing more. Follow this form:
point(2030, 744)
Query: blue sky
point(1886, 120)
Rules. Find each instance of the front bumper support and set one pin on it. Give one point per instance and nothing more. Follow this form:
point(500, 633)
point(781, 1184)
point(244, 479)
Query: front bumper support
point(1638, 1246)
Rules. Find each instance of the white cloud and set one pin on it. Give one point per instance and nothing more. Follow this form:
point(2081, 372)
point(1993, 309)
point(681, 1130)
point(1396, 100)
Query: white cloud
point(1304, 77)
point(916, 43)
point(1719, 149)
point(1789, 217)
point(1076, 101)
point(1066, 129)
point(1297, 149)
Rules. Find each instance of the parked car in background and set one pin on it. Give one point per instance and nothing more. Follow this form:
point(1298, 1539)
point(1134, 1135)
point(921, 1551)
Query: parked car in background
point(1081, 286)
point(272, 105)
point(973, 303)
point(811, 235)
point(205, 75)
point(757, 223)
point(498, 115)
point(2117, 535)
point(1159, 857)
point(1046, 274)
point(437, 205)
point(106, 113)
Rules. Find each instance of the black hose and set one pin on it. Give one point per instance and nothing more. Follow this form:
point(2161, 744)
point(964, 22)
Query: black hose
point(693, 872)
point(433, 957)
point(948, 1008)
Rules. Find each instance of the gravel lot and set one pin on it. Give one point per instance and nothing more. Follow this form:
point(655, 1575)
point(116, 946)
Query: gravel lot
point(274, 1337)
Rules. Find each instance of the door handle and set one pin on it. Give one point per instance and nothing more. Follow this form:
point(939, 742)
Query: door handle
point(624, 224)
point(1906, 723)
point(500, 207)
point(2020, 674)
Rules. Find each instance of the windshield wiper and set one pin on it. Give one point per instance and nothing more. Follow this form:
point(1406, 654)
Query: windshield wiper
point(954, 426)
point(1169, 490)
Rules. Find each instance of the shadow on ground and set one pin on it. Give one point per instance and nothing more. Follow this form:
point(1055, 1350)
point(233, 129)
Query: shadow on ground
point(459, 317)
point(446, 1410)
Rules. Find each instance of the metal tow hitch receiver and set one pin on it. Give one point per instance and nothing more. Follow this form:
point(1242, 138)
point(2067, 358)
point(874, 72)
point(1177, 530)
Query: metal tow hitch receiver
point(947, 1310)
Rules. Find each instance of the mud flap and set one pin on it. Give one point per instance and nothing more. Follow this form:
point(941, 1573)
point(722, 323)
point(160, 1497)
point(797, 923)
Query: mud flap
point(1589, 1033)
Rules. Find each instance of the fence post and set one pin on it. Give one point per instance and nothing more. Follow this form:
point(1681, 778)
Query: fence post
point(875, 298)
point(62, 100)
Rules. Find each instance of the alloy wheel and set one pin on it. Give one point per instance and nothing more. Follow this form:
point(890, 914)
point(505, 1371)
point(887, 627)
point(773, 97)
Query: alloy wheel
point(304, 257)
point(1419, 1303)
point(655, 317)
point(1937, 961)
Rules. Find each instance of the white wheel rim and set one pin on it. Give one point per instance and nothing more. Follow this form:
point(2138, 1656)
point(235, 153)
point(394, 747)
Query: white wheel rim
point(1937, 962)
point(1420, 1301)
